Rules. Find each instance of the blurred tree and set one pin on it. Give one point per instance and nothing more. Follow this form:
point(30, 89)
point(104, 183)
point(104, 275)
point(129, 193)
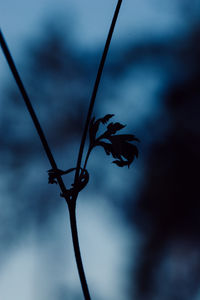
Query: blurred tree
point(168, 209)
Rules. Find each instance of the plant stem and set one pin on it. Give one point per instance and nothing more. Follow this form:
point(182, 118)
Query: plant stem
point(87, 156)
point(72, 214)
point(29, 106)
point(71, 204)
point(95, 89)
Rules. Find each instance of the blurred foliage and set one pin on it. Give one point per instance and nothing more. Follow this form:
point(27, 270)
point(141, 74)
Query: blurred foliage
point(168, 210)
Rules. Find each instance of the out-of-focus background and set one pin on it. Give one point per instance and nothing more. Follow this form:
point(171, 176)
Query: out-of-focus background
point(139, 228)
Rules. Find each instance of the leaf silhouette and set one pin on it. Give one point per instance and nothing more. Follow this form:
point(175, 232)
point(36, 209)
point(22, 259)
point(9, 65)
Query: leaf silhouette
point(120, 163)
point(114, 127)
point(94, 126)
point(106, 118)
point(124, 149)
point(107, 146)
point(118, 145)
point(128, 137)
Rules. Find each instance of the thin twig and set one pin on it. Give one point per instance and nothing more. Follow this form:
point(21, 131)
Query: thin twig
point(71, 205)
point(29, 107)
point(94, 93)
point(72, 214)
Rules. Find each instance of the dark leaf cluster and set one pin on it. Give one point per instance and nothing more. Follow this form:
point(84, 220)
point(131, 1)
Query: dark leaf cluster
point(118, 145)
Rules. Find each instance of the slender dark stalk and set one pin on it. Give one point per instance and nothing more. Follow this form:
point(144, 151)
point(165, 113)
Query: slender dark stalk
point(29, 107)
point(95, 89)
point(71, 205)
point(71, 202)
point(72, 211)
point(72, 214)
point(87, 156)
